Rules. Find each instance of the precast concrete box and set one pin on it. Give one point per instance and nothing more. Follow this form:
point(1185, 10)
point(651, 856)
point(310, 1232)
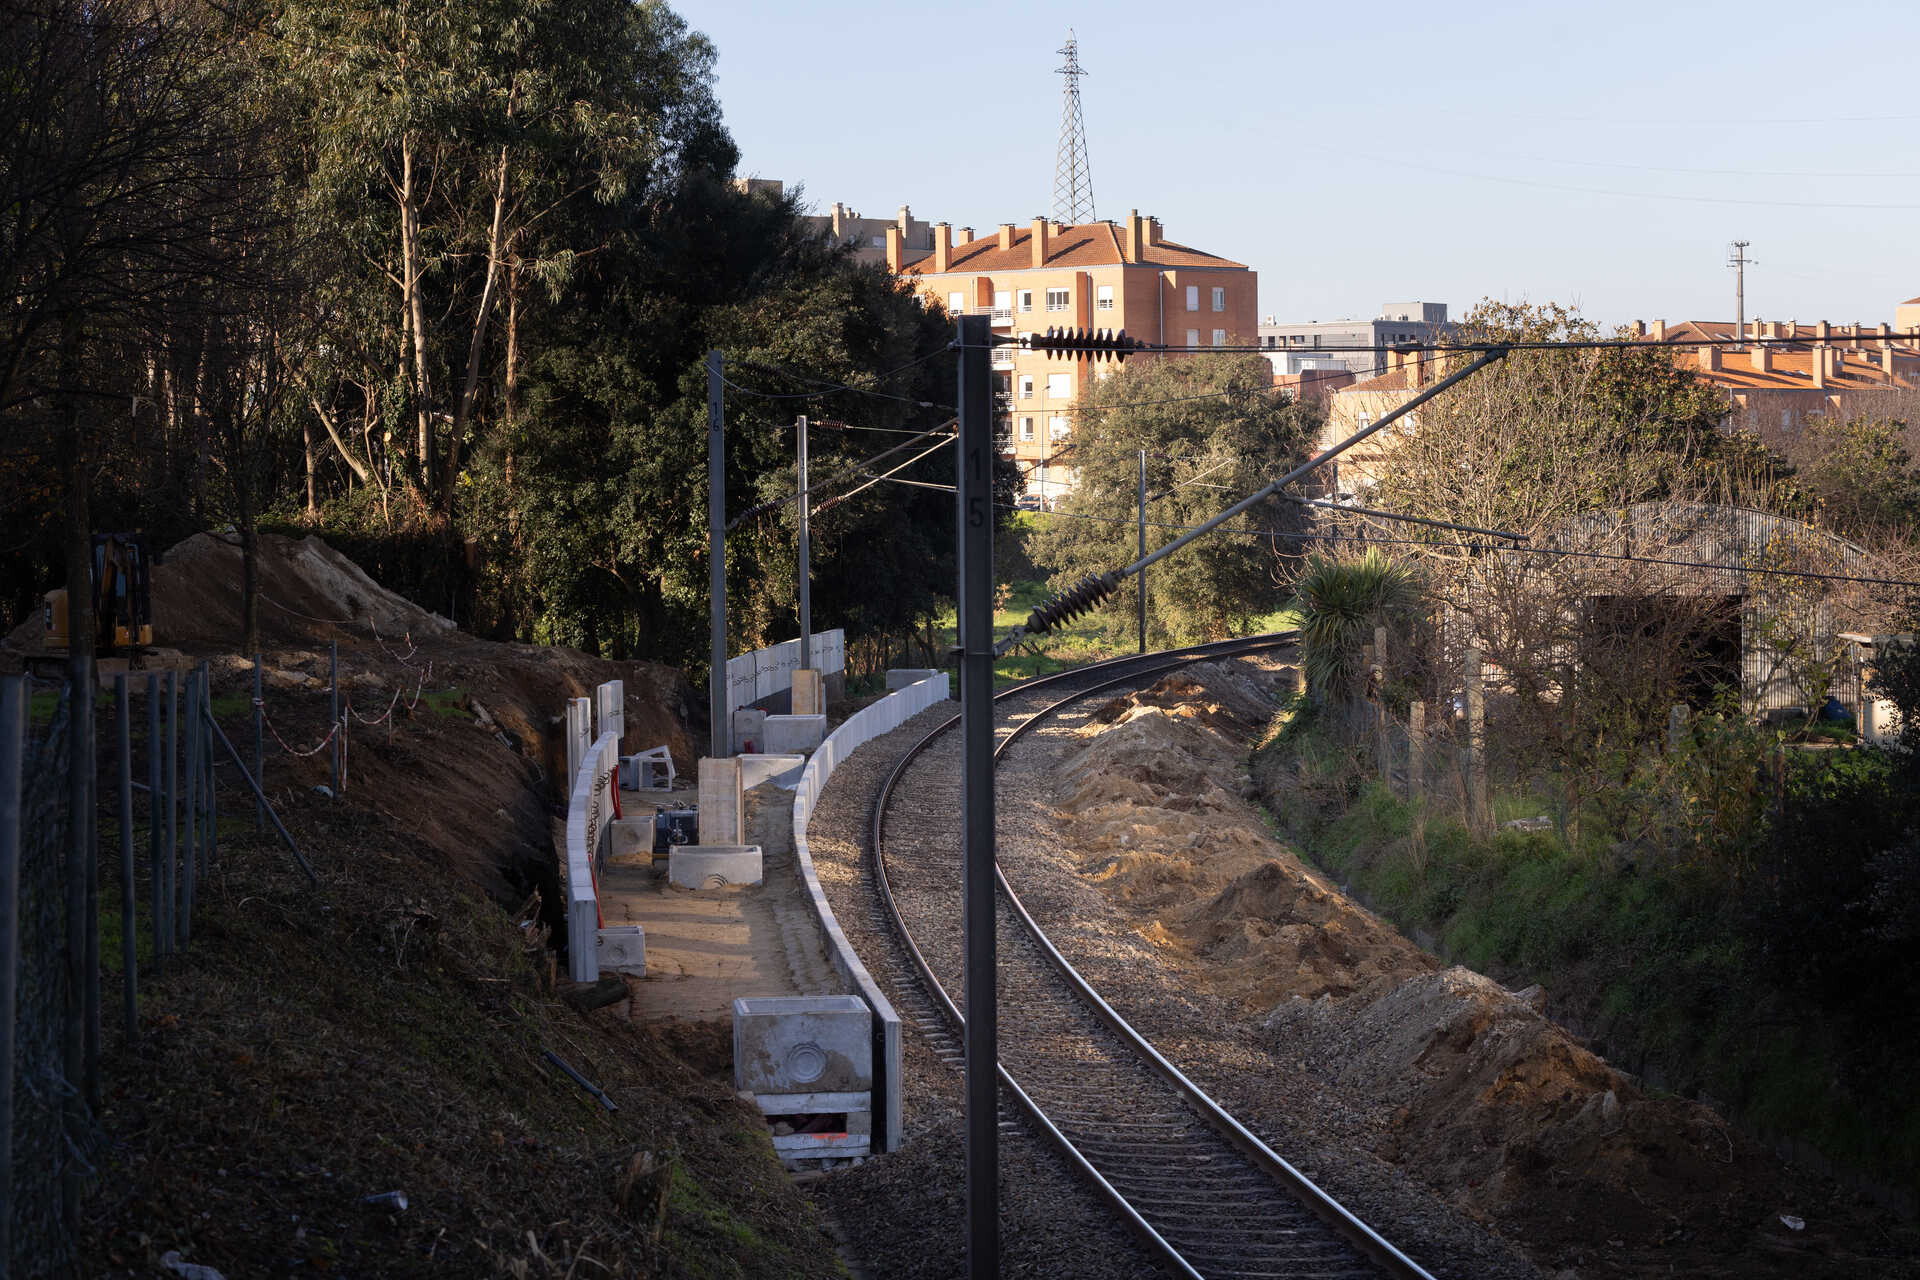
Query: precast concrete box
point(631, 838)
point(809, 696)
point(802, 1045)
point(902, 677)
point(783, 770)
point(723, 806)
point(623, 949)
point(711, 866)
point(749, 729)
point(786, 734)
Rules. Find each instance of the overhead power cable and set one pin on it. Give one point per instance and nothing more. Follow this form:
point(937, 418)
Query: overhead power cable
point(888, 474)
point(845, 473)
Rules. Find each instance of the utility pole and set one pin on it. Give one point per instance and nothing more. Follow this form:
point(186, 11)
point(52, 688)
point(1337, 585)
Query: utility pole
point(722, 745)
point(806, 551)
point(975, 618)
point(1737, 259)
point(1141, 585)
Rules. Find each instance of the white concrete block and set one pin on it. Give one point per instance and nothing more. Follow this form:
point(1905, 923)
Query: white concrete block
point(901, 677)
point(802, 1044)
point(749, 729)
point(795, 733)
point(809, 696)
point(723, 809)
point(782, 769)
point(706, 866)
point(623, 949)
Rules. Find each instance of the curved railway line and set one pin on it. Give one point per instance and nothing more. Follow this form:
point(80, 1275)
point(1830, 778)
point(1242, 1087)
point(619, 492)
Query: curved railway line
point(1200, 1191)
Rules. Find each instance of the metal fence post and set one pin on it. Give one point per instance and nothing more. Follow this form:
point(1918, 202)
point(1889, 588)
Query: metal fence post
point(183, 931)
point(163, 928)
point(13, 728)
point(333, 695)
point(155, 800)
point(259, 748)
point(974, 616)
point(210, 844)
point(123, 724)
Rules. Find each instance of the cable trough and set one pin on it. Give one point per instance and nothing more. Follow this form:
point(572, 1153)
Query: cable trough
point(1200, 1191)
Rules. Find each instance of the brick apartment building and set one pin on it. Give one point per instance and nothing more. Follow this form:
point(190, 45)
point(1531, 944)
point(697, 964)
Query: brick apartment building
point(1096, 275)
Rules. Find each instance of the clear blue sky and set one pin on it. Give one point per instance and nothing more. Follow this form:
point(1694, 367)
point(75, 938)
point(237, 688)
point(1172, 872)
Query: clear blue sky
point(1393, 152)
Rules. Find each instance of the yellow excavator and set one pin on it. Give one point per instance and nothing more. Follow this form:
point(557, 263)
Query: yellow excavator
point(122, 601)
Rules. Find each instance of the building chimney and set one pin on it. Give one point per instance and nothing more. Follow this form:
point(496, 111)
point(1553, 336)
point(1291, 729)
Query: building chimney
point(1763, 359)
point(1886, 336)
point(1823, 332)
point(966, 236)
point(1135, 240)
point(1042, 241)
point(1154, 236)
point(905, 220)
point(1659, 330)
point(1886, 361)
point(896, 241)
point(942, 248)
point(1817, 362)
point(1006, 235)
point(1639, 328)
point(1709, 358)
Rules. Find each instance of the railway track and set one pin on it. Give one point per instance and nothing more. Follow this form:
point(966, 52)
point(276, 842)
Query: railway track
point(1200, 1191)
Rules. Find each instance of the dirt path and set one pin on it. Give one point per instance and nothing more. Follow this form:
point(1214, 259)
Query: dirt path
point(706, 948)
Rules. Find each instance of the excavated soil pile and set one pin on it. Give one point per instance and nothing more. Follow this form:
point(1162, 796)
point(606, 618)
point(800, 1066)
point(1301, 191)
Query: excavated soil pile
point(460, 739)
point(1155, 806)
point(1483, 1097)
point(1499, 1104)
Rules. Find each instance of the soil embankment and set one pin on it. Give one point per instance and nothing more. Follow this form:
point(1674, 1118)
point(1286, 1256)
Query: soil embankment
point(390, 1030)
point(1473, 1089)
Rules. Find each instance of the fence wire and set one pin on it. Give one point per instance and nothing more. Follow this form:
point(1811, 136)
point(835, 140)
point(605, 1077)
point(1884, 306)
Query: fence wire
point(54, 1138)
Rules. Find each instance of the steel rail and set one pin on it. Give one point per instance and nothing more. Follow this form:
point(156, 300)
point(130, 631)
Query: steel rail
point(1323, 1206)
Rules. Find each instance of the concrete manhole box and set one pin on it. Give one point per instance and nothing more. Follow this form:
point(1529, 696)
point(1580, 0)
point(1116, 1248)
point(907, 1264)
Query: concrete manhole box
point(802, 1044)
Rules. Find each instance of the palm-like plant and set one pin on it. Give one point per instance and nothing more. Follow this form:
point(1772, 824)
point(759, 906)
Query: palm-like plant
point(1341, 601)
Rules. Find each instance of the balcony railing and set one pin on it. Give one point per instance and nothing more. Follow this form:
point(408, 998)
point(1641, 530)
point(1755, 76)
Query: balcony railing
point(1002, 315)
point(1003, 357)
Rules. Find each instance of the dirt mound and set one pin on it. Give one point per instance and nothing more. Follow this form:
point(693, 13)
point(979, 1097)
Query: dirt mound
point(1228, 697)
point(1155, 805)
point(1490, 1098)
point(306, 589)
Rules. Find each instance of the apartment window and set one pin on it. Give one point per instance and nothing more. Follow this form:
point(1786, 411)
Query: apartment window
point(1026, 428)
point(1219, 337)
point(1786, 419)
point(1103, 298)
point(1366, 420)
point(1193, 297)
point(1026, 299)
point(1219, 299)
point(1193, 337)
point(1026, 386)
point(957, 303)
point(1059, 386)
point(1057, 428)
point(1002, 300)
point(879, 242)
point(1057, 299)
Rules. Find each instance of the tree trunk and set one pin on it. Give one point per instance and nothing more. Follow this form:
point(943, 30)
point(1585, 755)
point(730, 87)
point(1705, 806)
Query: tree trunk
point(476, 347)
point(511, 388)
point(306, 445)
point(416, 312)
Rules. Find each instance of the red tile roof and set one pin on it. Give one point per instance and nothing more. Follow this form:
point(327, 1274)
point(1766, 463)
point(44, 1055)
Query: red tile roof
point(1089, 244)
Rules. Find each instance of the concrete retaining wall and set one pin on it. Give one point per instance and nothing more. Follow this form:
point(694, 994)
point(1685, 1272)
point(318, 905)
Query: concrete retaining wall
point(589, 818)
point(863, 726)
point(754, 677)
